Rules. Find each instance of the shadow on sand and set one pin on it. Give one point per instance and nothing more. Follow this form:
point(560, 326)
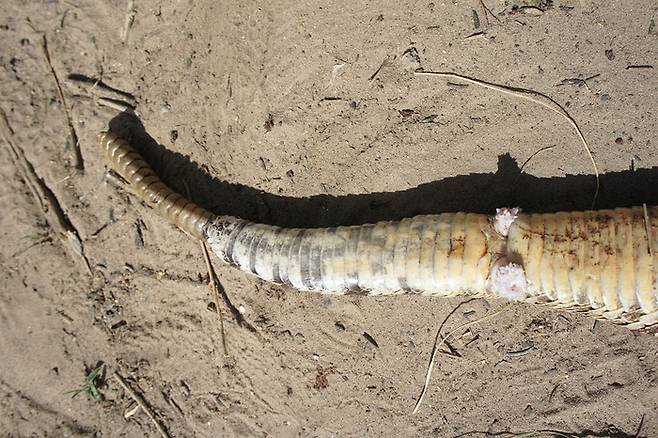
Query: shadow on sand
point(477, 192)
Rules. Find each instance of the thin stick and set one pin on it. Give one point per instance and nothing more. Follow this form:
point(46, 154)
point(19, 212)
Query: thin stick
point(142, 404)
point(242, 322)
point(545, 148)
point(79, 162)
point(438, 343)
point(212, 283)
point(96, 84)
point(533, 96)
point(486, 9)
point(374, 75)
point(116, 105)
point(45, 197)
point(239, 317)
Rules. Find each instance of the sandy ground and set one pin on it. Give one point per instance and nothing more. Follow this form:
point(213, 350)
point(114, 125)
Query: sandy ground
point(282, 114)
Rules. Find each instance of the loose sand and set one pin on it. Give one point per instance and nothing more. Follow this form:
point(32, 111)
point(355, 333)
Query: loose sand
point(282, 114)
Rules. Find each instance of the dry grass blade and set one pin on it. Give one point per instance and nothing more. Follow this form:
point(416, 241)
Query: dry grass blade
point(116, 105)
point(142, 404)
point(443, 340)
point(79, 162)
point(242, 322)
point(93, 85)
point(217, 289)
point(45, 197)
point(533, 155)
point(533, 96)
point(213, 284)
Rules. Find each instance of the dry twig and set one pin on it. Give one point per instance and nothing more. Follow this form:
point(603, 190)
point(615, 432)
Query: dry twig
point(78, 160)
point(538, 151)
point(213, 285)
point(45, 197)
point(533, 96)
point(217, 289)
point(239, 317)
point(443, 340)
point(487, 10)
point(116, 105)
point(376, 73)
point(142, 404)
point(98, 84)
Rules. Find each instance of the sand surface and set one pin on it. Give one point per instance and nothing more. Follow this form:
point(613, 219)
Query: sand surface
point(308, 113)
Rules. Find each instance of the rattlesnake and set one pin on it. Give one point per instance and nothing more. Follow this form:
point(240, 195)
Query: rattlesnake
point(604, 262)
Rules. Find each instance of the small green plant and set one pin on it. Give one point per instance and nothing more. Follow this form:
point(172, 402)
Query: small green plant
point(33, 237)
point(89, 386)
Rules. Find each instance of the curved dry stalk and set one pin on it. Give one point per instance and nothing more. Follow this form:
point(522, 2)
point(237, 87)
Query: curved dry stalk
point(435, 349)
point(142, 404)
point(533, 96)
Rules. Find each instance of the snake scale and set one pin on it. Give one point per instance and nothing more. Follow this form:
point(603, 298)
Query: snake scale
point(603, 262)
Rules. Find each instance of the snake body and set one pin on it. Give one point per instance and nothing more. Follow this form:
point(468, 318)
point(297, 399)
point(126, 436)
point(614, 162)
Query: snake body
point(604, 262)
